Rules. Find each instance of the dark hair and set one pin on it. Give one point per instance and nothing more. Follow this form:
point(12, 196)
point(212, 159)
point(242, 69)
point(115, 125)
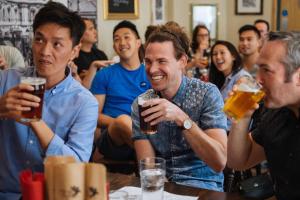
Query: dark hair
point(127, 24)
point(249, 27)
point(195, 43)
point(57, 13)
point(217, 77)
point(263, 21)
point(174, 34)
point(149, 30)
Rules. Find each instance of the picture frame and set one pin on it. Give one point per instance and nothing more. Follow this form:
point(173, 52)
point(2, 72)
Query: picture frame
point(248, 7)
point(125, 9)
point(158, 12)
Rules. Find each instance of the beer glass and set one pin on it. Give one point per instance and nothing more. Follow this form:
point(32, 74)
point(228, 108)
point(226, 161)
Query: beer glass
point(248, 93)
point(152, 173)
point(35, 113)
point(145, 126)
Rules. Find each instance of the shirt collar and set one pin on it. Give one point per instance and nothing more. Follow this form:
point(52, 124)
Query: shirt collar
point(180, 95)
point(63, 85)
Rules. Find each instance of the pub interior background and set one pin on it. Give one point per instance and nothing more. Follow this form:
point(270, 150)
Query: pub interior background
point(16, 18)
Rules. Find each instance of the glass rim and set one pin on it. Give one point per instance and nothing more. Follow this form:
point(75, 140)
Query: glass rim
point(147, 159)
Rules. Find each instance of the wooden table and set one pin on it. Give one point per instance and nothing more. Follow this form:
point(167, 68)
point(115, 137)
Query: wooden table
point(118, 181)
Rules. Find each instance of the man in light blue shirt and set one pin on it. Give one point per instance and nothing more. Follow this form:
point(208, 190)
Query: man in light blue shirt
point(69, 111)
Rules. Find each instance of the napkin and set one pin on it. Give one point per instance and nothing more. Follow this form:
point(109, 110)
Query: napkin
point(32, 185)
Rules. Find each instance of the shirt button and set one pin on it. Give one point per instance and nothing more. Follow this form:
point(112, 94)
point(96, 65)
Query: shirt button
point(30, 142)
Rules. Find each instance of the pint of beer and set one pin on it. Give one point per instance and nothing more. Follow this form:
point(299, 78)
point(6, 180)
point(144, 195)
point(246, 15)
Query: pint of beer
point(35, 114)
point(145, 126)
point(243, 99)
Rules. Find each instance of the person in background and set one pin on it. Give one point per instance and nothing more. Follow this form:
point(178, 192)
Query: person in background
point(226, 68)
point(69, 115)
point(115, 88)
point(191, 132)
point(200, 53)
point(249, 46)
point(263, 27)
point(88, 52)
point(276, 136)
point(10, 57)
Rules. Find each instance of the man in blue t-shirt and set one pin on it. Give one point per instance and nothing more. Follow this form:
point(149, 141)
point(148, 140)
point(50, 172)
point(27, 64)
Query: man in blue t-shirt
point(115, 88)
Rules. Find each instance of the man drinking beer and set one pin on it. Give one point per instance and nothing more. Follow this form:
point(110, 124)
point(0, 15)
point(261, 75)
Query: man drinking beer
point(276, 137)
point(69, 114)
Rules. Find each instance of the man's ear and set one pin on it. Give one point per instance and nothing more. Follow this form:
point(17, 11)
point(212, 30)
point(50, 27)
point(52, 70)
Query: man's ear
point(183, 61)
point(75, 51)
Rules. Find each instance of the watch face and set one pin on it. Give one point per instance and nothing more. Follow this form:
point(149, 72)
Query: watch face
point(187, 124)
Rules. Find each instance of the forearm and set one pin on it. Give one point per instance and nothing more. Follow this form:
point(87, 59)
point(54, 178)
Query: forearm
point(143, 149)
point(239, 144)
point(88, 79)
point(208, 148)
point(43, 133)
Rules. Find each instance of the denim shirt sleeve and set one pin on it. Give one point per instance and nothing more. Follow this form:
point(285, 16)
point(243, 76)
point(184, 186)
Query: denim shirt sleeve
point(80, 137)
point(137, 134)
point(212, 115)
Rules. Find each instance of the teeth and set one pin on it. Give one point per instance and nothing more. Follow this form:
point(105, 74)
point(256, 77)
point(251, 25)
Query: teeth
point(157, 77)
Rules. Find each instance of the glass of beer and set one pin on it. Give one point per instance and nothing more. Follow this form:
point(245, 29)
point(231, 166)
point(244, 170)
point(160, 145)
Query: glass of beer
point(35, 113)
point(145, 126)
point(248, 93)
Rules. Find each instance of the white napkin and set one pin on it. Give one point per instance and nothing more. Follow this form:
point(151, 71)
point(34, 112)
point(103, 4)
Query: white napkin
point(135, 194)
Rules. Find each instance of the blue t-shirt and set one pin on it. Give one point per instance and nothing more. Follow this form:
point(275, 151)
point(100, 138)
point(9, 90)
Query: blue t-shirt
point(121, 87)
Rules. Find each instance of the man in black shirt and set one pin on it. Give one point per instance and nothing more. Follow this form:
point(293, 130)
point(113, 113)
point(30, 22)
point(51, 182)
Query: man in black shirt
point(88, 52)
point(276, 137)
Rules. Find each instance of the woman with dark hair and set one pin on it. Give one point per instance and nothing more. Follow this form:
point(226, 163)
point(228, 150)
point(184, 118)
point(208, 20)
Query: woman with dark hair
point(226, 67)
point(201, 49)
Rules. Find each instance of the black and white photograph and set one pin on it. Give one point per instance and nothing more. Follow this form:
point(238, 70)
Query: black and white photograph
point(158, 11)
point(249, 7)
point(16, 18)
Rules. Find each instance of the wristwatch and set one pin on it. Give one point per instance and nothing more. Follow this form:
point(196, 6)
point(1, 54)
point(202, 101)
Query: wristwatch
point(187, 124)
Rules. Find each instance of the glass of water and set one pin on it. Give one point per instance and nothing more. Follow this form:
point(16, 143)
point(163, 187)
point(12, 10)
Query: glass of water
point(152, 173)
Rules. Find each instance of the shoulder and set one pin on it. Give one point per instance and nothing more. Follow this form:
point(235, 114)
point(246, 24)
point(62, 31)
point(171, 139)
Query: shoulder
point(196, 87)
point(82, 94)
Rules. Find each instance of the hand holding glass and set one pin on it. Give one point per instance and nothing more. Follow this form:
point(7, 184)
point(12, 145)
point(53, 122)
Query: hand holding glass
point(248, 93)
point(35, 113)
point(152, 173)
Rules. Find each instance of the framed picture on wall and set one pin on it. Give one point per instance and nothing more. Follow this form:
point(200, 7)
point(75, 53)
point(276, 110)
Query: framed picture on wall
point(158, 14)
point(248, 7)
point(125, 9)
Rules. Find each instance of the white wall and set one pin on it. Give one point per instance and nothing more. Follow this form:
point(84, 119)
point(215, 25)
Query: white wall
point(105, 27)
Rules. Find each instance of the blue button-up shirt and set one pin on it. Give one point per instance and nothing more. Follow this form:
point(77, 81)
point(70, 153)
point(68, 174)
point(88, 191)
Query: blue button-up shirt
point(71, 113)
point(203, 103)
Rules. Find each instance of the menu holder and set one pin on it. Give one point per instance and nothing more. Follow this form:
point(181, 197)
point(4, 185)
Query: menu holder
point(49, 164)
point(95, 182)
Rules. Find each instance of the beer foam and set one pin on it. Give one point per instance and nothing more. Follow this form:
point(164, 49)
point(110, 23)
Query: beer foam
point(246, 88)
point(149, 94)
point(33, 80)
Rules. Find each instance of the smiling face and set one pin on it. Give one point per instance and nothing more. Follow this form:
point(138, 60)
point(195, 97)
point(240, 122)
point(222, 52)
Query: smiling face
point(52, 49)
point(222, 59)
point(249, 43)
point(271, 75)
point(126, 44)
point(163, 70)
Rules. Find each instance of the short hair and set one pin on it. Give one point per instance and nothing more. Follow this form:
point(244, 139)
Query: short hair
point(291, 60)
point(57, 13)
point(149, 30)
point(195, 43)
point(129, 25)
point(249, 27)
point(263, 21)
point(217, 77)
point(174, 34)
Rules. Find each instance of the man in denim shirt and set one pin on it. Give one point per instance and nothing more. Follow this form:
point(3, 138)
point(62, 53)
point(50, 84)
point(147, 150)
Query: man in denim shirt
point(191, 125)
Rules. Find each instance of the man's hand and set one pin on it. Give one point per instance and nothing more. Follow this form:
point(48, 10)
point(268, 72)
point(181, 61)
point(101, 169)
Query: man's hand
point(16, 100)
point(3, 63)
point(97, 64)
point(163, 110)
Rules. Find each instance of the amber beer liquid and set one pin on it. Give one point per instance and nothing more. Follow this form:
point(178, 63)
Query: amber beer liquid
point(35, 113)
point(145, 126)
point(242, 101)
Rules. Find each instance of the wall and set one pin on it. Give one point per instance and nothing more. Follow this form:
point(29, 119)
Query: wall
point(105, 27)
